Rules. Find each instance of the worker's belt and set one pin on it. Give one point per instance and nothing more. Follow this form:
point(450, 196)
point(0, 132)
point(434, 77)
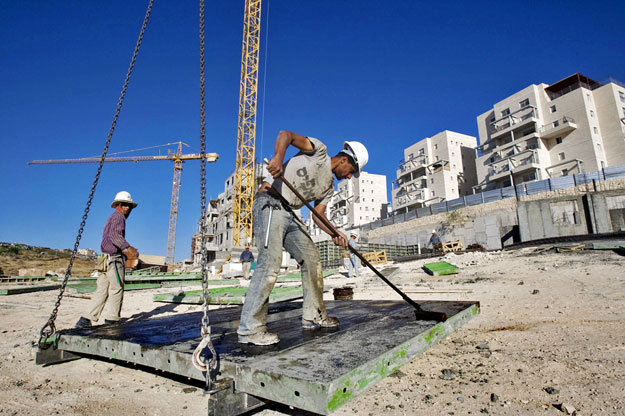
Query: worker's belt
point(273, 195)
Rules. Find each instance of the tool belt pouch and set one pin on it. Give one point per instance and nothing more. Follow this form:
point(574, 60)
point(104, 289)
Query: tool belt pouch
point(103, 263)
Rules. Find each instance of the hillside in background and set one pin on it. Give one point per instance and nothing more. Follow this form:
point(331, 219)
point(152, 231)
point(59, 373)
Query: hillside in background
point(15, 256)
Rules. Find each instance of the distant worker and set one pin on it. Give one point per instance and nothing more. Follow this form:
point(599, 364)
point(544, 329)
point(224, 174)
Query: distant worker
point(276, 225)
point(354, 261)
point(110, 286)
point(246, 260)
point(435, 241)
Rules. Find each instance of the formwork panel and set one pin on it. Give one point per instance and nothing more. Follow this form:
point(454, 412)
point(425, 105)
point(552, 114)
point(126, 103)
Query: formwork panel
point(315, 370)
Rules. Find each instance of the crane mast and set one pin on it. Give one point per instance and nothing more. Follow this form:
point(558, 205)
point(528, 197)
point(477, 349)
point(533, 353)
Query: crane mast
point(173, 210)
point(246, 132)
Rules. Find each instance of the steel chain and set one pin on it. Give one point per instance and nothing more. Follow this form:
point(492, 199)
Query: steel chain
point(206, 329)
point(49, 329)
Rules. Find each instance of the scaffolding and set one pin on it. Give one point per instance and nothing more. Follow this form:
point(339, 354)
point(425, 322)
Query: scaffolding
point(332, 255)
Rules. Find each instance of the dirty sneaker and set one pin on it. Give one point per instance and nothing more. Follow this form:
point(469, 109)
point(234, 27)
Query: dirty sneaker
point(259, 338)
point(327, 322)
point(83, 323)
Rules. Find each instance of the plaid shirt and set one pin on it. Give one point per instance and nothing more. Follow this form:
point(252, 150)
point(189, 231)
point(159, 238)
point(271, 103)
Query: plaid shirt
point(113, 236)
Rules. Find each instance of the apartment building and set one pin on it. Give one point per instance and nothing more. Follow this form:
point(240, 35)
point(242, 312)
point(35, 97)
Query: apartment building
point(220, 219)
point(435, 169)
point(356, 201)
point(572, 126)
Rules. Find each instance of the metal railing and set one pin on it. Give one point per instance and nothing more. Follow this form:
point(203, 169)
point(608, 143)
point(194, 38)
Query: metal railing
point(528, 188)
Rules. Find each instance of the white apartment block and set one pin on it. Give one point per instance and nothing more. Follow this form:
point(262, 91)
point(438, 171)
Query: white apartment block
point(575, 125)
point(220, 218)
point(435, 169)
point(356, 201)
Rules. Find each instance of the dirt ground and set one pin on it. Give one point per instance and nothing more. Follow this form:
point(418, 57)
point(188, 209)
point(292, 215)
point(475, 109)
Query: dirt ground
point(550, 340)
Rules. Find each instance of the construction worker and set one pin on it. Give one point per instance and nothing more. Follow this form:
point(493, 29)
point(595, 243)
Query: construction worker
point(435, 241)
point(354, 261)
point(110, 286)
point(276, 226)
point(246, 262)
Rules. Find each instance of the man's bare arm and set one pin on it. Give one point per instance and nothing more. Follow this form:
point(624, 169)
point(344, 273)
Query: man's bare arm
point(341, 239)
point(283, 141)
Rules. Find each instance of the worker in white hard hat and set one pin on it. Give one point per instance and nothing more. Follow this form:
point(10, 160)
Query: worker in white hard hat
point(354, 261)
point(277, 226)
point(116, 251)
point(435, 241)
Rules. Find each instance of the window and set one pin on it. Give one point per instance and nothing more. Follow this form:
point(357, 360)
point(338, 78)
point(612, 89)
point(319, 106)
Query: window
point(435, 146)
point(592, 113)
point(410, 156)
point(621, 95)
point(596, 130)
point(525, 103)
point(432, 180)
point(564, 172)
point(556, 123)
point(558, 140)
point(561, 156)
point(433, 193)
point(529, 177)
point(552, 108)
point(436, 158)
point(505, 112)
point(564, 212)
point(421, 151)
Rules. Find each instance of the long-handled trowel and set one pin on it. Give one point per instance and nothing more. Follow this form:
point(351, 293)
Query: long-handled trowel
point(420, 313)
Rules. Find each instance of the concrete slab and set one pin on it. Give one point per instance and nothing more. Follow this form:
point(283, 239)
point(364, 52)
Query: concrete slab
point(315, 370)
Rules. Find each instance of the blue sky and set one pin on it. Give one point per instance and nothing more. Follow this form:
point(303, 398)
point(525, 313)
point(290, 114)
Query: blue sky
point(385, 73)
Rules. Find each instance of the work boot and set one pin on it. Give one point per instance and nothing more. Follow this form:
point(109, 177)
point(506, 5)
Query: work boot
point(83, 323)
point(259, 338)
point(327, 322)
point(108, 322)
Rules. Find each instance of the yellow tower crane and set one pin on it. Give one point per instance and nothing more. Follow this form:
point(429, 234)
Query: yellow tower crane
point(246, 133)
point(178, 158)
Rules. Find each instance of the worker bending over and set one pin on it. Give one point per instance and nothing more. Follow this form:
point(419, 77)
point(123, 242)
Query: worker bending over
point(276, 226)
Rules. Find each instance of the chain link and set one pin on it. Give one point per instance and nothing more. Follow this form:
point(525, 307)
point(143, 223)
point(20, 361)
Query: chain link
point(206, 329)
point(49, 329)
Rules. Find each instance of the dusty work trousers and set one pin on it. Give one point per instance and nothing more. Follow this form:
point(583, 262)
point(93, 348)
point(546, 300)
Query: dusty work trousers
point(246, 265)
point(354, 265)
point(287, 231)
point(110, 286)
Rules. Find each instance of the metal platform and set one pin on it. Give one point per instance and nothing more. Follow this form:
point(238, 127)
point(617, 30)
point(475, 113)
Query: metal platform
point(315, 370)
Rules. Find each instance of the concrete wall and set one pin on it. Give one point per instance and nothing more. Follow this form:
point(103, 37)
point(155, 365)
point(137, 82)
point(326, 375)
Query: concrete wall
point(483, 224)
point(486, 224)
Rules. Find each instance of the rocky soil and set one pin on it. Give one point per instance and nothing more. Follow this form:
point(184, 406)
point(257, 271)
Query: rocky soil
point(549, 341)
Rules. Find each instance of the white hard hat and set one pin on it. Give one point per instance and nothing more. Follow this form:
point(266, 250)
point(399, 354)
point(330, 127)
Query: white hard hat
point(358, 152)
point(433, 231)
point(123, 196)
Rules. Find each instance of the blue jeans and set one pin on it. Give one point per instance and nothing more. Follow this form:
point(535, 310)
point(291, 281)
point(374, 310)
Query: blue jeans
point(354, 264)
point(286, 230)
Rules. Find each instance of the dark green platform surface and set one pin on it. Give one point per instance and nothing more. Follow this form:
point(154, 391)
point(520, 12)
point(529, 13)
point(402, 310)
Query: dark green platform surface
point(316, 370)
point(227, 295)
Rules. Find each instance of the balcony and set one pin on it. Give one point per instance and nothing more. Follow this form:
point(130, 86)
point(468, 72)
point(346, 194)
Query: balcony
point(513, 121)
point(557, 128)
point(420, 161)
point(516, 164)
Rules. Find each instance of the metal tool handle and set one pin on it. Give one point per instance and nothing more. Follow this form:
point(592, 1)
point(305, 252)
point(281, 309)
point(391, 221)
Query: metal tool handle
point(439, 316)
